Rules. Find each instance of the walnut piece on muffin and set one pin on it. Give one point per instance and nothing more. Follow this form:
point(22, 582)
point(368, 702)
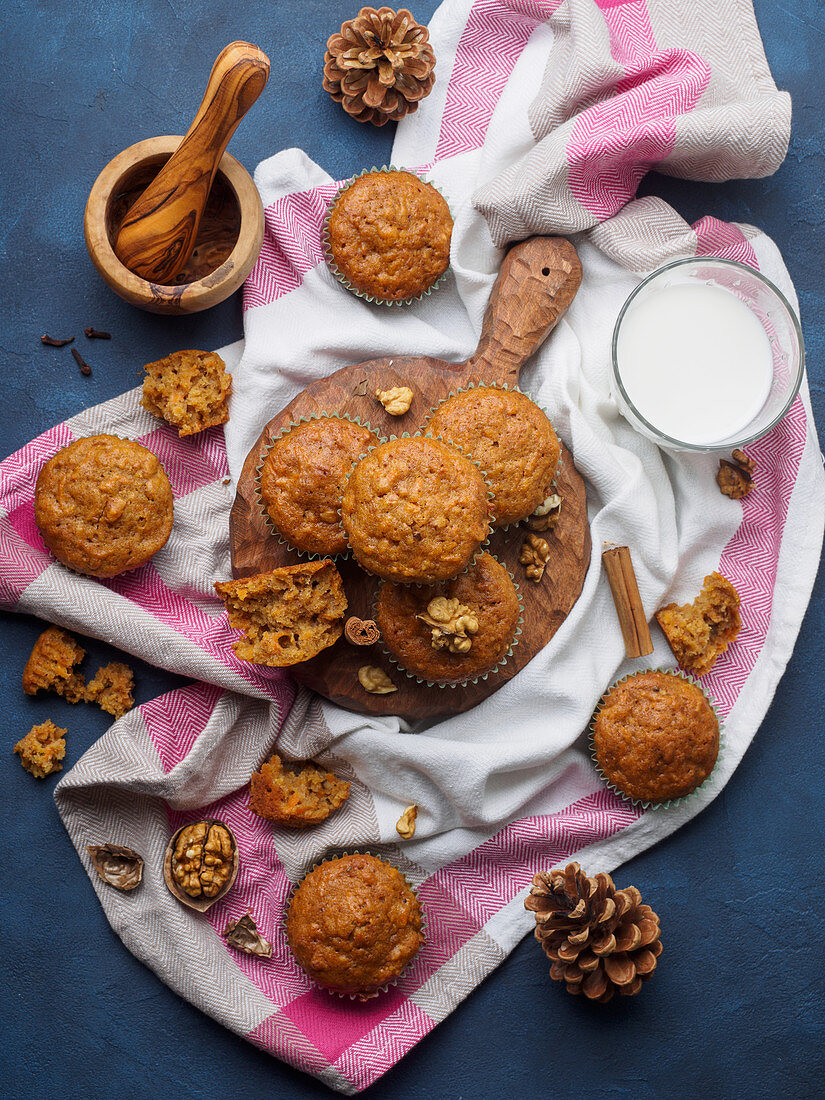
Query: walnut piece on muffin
point(287, 615)
point(303, 477)
point(52, 666)
point(354, 924)
point(414, 509)
point(112, 688)
point(188, 389)
point(655, 736)
point(701, 631)
point(512, 441)
point(389, 235)
point(486, 588)
point(103, 505)
point(42, 749)
point(296, 796)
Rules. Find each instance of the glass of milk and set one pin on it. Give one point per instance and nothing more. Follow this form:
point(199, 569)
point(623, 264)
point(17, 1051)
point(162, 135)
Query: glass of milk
point(707, 355)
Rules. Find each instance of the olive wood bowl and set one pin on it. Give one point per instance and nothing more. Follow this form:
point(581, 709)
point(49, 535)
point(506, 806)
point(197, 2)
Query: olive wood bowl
point(130, 171)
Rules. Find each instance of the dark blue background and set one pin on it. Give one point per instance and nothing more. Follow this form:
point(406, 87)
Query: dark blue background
point(736, 1007)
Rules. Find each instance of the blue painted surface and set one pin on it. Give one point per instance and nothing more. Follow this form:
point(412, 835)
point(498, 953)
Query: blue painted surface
point(736, 1007)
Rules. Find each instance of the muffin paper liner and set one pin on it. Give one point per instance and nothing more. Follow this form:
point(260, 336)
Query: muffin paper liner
point(273, 530)
point(493, 386)
point(480, 549)
point(339, 275)
point(479, 676)
point(343, 994)
point(645, 804)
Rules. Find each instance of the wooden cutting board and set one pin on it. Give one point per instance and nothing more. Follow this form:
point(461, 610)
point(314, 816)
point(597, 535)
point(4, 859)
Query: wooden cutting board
point(537, 282)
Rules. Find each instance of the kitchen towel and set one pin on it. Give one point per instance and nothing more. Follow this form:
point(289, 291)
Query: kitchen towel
point(544, 118)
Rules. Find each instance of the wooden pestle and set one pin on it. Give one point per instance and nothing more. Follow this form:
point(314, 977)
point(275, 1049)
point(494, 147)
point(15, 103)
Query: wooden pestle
point(158, 234)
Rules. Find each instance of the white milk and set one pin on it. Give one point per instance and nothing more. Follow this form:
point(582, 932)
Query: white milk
point(695, 362)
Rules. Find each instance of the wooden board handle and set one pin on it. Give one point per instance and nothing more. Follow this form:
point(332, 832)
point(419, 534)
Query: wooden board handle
point(537, 282)
point(158, 233)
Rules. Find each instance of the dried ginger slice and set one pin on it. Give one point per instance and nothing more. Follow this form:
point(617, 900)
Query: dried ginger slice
point(296, 798)
point(699, 632)
point(188, 389)
point(288, 615)
point(112, 689)
point(51, 666)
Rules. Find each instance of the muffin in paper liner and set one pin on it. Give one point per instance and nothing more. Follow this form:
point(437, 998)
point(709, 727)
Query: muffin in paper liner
point(477, 677)
point(347, 994)
point(480, 549)
point(341, 277)
point(647, 804)
point(507, 389)
point(259, 501)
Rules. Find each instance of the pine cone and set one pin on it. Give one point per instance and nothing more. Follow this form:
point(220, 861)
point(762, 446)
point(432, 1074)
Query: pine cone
point(380, 65)
point(598, 938)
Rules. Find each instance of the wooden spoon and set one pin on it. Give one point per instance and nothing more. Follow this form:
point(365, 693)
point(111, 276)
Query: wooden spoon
point(158, 234)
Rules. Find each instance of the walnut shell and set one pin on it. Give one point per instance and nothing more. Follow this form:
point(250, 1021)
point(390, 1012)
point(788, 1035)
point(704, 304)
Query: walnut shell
point(202, 903)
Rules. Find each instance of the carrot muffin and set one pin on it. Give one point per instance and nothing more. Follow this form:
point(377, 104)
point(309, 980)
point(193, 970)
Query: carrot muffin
point(303, 478)
point(452, 631)
point(510, 438)
point(287, 615)
point(701, 631)
point(655, 736)
point(52, 666)
point(296, 797)
point(354, 924)
point(42, 749)
point(415, 510)
point(103, 505)
point(188, 389)
point(389, 235)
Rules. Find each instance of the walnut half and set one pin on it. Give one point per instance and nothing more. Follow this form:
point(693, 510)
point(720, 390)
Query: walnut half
point(735, 479)
point(546, 516)
point(405, 825)
point(452, 623)
point(203, 859)
point(534, 554)
point(396, 401)
point(375, 680)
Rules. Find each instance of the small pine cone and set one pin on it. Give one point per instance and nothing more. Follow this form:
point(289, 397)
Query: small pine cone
point(380, 65)
point(598, 939)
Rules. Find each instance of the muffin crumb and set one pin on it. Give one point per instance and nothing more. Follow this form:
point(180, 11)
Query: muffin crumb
point(52, 665)
point(701, 631)
point(112, 689)
point(297, 797)
point(287, 615)
point(188, 389)
point(42, 749)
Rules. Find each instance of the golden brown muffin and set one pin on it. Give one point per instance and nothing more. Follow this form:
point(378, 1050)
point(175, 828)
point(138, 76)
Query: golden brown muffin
point(303, 479)
point(112, 689)
point(42, 749)
point(287, 615)
point(655, 736)
point(297, 798)
point(354, 924)
point(415, 510)
point(485, 590)
point(389, 235)
point(510, 438)
point(103, 505)
point(51, 666)
point(699, 632)
point(188, 389)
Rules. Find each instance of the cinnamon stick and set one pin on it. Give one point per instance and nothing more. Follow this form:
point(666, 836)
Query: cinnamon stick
point(632, 618)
